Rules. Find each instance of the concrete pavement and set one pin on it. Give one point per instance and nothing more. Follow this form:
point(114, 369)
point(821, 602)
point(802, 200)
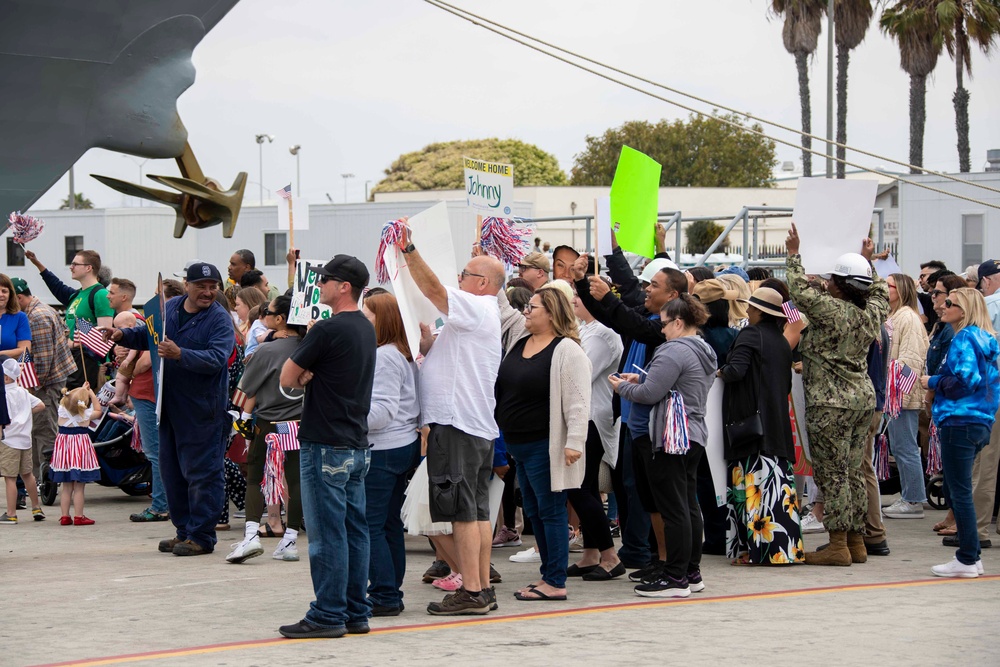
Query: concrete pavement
point(104, 595)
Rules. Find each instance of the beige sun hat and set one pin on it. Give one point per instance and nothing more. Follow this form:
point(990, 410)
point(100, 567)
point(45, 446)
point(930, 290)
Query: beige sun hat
point(766, 300)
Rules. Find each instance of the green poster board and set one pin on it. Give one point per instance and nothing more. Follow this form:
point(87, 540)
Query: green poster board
point(635, 195)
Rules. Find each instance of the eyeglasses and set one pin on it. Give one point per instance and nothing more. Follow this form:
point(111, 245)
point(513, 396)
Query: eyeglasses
point(935, 293)
point(524, 267)
point(528, 307)
point(79, 264)
point(667, 321)
point(465, 274)
point(891, 285)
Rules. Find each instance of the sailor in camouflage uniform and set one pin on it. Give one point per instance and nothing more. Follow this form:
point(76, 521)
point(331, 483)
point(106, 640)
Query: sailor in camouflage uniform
point(840, 399)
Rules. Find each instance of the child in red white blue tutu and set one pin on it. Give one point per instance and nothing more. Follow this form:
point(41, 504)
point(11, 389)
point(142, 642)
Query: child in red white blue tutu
point(74, 461)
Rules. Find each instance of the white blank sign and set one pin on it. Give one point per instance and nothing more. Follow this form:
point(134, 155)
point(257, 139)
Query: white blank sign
point(832, 217)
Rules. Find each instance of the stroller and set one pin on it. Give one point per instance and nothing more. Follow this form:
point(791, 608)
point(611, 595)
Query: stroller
point(121, 466)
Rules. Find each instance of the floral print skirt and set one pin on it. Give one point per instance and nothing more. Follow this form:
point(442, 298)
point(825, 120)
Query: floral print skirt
point(763, 523)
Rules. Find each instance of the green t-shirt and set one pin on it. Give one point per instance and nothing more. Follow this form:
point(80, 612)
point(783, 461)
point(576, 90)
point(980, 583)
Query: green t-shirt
point(79, 307)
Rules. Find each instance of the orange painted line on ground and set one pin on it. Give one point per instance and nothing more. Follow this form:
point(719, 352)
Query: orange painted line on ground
point(648, 604)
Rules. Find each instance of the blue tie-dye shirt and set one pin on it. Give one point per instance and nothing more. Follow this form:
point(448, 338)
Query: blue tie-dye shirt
point(967, 386)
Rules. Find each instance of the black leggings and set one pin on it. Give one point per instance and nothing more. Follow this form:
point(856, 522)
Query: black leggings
point(509, 502)
point(587, 499)
point(256, 457)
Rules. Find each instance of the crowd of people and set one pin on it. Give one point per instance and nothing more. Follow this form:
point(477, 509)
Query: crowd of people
point(585, 396)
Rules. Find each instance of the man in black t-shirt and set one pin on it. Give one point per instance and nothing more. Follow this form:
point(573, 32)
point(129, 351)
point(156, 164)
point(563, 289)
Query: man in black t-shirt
point(336, 364)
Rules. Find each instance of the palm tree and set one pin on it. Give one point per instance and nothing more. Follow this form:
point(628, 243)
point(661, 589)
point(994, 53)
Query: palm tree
point(800, 33)
point(971, 21)
point(851, 21)
point(915, 26)
point(80, 201)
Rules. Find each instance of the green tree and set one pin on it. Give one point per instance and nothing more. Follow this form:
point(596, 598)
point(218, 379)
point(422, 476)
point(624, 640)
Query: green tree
point(851, 21)
point(800, 34)
point(703, 152)
point(701, 234)
point(971, 21)
point(79, 200)
point(439, 166)
point(918, 31)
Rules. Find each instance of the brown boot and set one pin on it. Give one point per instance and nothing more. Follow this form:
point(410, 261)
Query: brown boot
point(856, 545)
point(835, 554)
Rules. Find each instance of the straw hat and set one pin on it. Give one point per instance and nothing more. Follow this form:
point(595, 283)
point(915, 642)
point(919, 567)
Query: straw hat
point(766, 300)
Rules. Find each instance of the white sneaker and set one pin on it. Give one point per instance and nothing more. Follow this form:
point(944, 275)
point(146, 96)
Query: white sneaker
point(810, 524)
point(286, 551)
point(953, 568)
point(979, 568)
point(245, 550)
point(527, 556)
point(904, 510)
point(886, 501)
point(576, 542)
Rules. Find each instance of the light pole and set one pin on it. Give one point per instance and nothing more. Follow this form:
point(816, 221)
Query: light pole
point(294, 150)
point(345, 177)
point(830, 25)
point(140, 165)
point(366, 190)
point(260, 143)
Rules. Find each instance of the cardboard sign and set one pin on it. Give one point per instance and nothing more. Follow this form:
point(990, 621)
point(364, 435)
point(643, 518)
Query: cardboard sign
point(300, 208)
point(635, 197)
point(305, 299)
point(489, 187)
point(832, 216)
point(715, 446)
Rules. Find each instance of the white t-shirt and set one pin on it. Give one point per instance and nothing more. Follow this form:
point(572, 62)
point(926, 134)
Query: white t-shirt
point(459, 372)
point(19, 406)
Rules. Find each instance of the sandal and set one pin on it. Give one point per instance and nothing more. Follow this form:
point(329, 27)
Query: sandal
point(742, 559)
point(269, 532)
point(947, 531)
point(535, 595)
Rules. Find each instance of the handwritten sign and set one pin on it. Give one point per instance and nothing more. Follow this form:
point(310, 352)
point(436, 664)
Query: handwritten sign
point(489, 187)
point(305, 299)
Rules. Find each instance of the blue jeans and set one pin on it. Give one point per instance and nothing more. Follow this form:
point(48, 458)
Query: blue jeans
point(546, 509)
point(333, 506)
point(906, 451)
point(145, 416)
point(959, 446)
point(636, 526)
point(385, 484)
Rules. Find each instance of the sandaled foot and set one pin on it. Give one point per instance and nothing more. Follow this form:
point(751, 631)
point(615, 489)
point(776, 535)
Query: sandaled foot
point(537, 594)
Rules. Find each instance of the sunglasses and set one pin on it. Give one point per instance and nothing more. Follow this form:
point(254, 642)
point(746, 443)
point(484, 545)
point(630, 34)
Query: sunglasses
point(272, 313)
point(328, 279)
point(935, 293)
point(948, 303)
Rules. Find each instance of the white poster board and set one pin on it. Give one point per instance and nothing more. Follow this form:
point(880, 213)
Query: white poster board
point(715, 447)
point(602, 220)
point(489, 187)
point(432, 236)
point(832, 216)
point(886, 267)
point(305, 298)
point(300, 208)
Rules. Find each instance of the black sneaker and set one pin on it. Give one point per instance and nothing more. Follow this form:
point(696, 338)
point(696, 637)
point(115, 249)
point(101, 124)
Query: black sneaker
point(651, 572)
point(438, 570)
point(358, 628)
point(495, 577)
point(22, 502)
point(695, 582)
point(460, 603)
point(491, 595)
point(665, 587)
point(379, 610)
point(306, 630)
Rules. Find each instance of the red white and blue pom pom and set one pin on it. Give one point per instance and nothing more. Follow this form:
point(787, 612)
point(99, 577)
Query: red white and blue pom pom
point(893, 390)
point(392, 234)
point(274, 471)
point(136, 438)
point(26, 228)
point(504, 239)
point(675, 432)
point(933, 450)
point(881, 462)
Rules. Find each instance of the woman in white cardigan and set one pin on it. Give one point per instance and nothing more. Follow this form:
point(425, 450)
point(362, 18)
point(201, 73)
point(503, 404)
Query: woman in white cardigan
point(543, 408)
point(909, 346)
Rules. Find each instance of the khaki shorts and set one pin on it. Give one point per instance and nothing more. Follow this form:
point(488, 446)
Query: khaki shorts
point(14, 462)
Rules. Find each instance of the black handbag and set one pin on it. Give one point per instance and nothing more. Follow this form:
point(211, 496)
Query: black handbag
point(751, 428)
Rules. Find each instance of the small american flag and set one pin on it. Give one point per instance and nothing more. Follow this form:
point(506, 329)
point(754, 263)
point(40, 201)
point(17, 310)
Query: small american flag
point(285, 192)
point(791, 312)
point(28, 378)
point(285, 436)
point(92, 339)
point(906, 378)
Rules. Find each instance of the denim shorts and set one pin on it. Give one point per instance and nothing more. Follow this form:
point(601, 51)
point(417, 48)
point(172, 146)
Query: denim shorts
point(459, 466)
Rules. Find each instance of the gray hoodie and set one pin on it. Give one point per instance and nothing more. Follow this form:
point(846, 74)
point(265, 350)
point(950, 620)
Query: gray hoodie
point(686, 365)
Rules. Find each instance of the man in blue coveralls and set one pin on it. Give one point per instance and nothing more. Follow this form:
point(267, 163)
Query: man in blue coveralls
point(198, 339)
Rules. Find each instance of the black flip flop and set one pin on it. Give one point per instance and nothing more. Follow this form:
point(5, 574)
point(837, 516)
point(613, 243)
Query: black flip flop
point(534, 595)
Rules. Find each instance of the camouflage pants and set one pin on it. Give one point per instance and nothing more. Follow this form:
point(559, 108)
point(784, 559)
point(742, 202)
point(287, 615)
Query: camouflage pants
point(837, 445)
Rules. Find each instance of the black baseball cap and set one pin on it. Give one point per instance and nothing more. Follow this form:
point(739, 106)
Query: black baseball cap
point(988, 268)
point(345, 268)
point(199, 271)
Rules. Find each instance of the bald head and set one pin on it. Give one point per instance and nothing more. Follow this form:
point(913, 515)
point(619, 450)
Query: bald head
point(485, 275)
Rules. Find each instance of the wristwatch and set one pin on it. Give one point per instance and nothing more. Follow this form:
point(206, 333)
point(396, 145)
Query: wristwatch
point(408, 249)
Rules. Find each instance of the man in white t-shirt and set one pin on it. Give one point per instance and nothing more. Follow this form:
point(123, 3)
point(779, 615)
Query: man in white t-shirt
point(456, 384)
point(15, 449)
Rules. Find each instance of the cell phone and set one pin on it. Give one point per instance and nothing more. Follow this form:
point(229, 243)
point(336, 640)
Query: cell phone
point(616, 375)
point(296, 253)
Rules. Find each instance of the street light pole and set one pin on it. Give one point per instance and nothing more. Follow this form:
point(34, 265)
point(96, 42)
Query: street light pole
point(366, 190)
point(294, 150)
point(260, 144)
point(140, 165)
point(829, 88)
point(345, 177)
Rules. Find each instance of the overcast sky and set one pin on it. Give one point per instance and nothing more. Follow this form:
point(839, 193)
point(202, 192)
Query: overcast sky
point(359, 83)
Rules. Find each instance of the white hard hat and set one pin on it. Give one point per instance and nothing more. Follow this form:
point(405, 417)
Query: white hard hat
point(854, 267)
point(654, 267)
